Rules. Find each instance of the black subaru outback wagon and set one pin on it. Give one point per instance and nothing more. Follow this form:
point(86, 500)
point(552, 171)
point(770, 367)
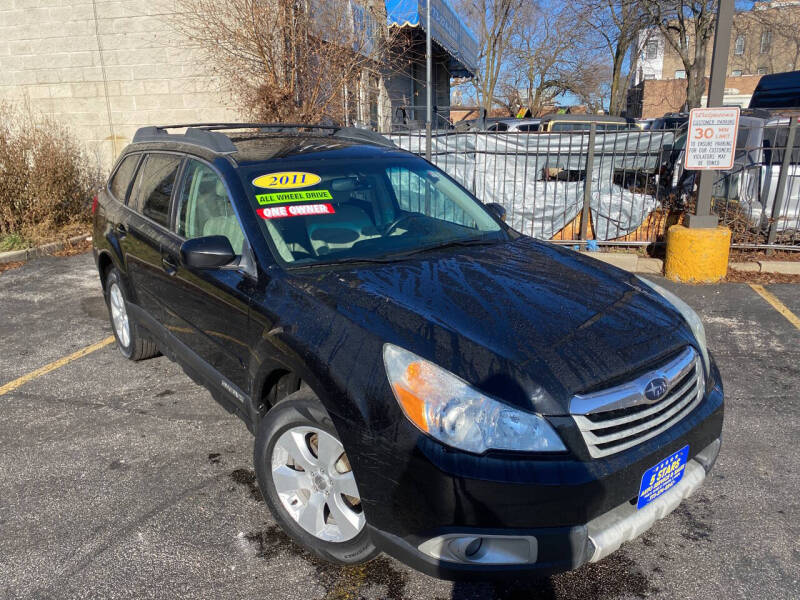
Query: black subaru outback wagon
point(420, 378)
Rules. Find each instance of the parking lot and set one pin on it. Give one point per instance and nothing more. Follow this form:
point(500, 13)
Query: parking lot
point(126, 480)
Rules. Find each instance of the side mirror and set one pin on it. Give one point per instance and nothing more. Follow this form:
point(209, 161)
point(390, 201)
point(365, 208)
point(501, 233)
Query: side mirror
point(207, 252)
point(498, 210)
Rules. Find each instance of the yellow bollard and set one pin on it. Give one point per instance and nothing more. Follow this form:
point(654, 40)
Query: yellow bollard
point(697, 255)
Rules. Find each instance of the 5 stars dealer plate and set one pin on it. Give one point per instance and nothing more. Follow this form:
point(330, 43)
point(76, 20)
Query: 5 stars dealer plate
point(662, 477)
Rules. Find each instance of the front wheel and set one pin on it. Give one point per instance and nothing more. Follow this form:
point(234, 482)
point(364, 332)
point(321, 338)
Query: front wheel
point(306, 480)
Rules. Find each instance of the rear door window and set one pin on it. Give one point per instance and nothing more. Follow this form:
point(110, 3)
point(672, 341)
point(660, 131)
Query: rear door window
point(122, 177)
point(154, 184)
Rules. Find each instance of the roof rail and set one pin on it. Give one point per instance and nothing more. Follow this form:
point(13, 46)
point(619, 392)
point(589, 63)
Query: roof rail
point(221, 126)
point(210, 136)
point(217, 142)
point(356, 134)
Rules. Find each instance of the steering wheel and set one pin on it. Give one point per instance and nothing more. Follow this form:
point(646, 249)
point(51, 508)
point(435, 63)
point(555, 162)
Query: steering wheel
point(396, 223)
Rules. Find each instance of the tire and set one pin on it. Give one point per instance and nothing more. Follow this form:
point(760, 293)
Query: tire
point(132, 342)
point(297, 496)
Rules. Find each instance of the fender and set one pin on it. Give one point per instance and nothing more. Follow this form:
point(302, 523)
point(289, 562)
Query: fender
point(277, 352)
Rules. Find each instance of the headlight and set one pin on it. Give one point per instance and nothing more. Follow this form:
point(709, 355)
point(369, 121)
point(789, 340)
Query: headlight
point(691, 317)
point(450, 410)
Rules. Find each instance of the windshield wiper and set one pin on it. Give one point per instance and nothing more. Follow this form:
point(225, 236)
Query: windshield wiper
point(453, 244)
point(350, 260)
point(396, 256)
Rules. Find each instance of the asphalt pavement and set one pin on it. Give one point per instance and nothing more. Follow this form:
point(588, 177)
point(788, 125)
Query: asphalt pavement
point(126, 480)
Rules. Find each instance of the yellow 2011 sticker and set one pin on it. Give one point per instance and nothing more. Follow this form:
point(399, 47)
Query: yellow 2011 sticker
point(286, 180)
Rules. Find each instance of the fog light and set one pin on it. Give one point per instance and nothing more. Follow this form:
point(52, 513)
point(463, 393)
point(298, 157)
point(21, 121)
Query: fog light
point(482, 550)
point(473, 547)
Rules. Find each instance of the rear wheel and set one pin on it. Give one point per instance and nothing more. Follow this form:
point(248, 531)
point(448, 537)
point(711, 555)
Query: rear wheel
point(131, 340)
point(305, 477)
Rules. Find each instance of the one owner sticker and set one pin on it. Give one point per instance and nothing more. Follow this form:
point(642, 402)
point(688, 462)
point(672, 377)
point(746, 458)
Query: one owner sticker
point(301, 210)
point(284, 197)
point(286, 180)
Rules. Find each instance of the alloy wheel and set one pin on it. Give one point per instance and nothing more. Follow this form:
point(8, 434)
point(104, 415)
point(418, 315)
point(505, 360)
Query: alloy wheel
point(315, 484)
point(119, 316)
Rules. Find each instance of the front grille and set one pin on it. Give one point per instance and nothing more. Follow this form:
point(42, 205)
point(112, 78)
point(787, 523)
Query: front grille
point(618, 418)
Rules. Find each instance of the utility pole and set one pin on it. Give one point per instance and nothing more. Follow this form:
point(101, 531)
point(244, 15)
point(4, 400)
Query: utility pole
point(703, 217)
point(428, 80)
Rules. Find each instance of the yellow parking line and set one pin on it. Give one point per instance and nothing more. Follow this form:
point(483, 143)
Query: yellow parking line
point(12, 385)
point(777, 304)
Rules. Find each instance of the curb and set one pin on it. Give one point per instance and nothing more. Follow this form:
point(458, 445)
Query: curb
point(769, 266)
point(44, 250)
point(630, 262)
point(655, 266)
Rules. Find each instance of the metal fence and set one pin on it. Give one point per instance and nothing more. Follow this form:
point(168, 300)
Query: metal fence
point(623, 187)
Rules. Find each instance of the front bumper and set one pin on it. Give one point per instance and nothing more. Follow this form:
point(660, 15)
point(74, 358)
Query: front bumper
point(569, 510)
point(554, 549)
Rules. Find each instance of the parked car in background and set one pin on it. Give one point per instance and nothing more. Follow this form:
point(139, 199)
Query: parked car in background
point(515, 125)
point(557, 123)
point(779, 90)
point(670, 121)
point(751, 186)
point(420, 378)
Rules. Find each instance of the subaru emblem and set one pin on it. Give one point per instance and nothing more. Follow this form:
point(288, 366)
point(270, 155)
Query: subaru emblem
point(655, 389)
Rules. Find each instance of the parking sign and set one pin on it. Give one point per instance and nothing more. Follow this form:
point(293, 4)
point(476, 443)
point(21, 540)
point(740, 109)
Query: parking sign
point(711, 139)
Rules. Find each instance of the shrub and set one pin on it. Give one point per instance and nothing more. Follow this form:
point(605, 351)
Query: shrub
point(47, 179)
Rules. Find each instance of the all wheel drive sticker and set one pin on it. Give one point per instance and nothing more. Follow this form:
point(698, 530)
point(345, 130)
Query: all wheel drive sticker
point(280, 204)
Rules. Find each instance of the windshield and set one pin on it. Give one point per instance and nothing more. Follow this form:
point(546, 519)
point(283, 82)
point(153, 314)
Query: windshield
point(340, 210)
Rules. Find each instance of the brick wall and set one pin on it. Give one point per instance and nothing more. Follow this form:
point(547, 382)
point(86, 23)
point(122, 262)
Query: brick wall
point(782, 19)
point(50, 52)
point(656, 97)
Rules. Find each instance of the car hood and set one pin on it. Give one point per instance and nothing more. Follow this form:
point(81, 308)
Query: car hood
point(524, 321)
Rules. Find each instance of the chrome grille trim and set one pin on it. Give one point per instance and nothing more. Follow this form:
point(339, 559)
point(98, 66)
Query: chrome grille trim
point(632, 393)
point(638, 424)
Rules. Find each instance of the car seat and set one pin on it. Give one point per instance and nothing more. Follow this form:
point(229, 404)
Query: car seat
point(221, 219)
point(348, 226)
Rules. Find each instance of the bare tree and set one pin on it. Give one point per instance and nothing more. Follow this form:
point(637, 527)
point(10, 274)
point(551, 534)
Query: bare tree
point(617, 24)
point(779, 28)
point(546, 60)
point(493, 22)
point(688, 27)
point(288, 60)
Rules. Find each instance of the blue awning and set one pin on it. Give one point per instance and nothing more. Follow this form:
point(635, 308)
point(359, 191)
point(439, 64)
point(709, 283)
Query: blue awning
point(446, 28)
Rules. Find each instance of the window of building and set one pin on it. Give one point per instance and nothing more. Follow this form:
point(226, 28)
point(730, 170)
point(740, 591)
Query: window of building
point(763, 70)
point(766, 42)
point(738, 48)
point(736, 73)
point(649, 76)
point(680, 74)
point(651, 50)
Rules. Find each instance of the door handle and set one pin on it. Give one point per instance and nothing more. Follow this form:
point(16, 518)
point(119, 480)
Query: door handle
point(170, 265)
point(120, 231)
